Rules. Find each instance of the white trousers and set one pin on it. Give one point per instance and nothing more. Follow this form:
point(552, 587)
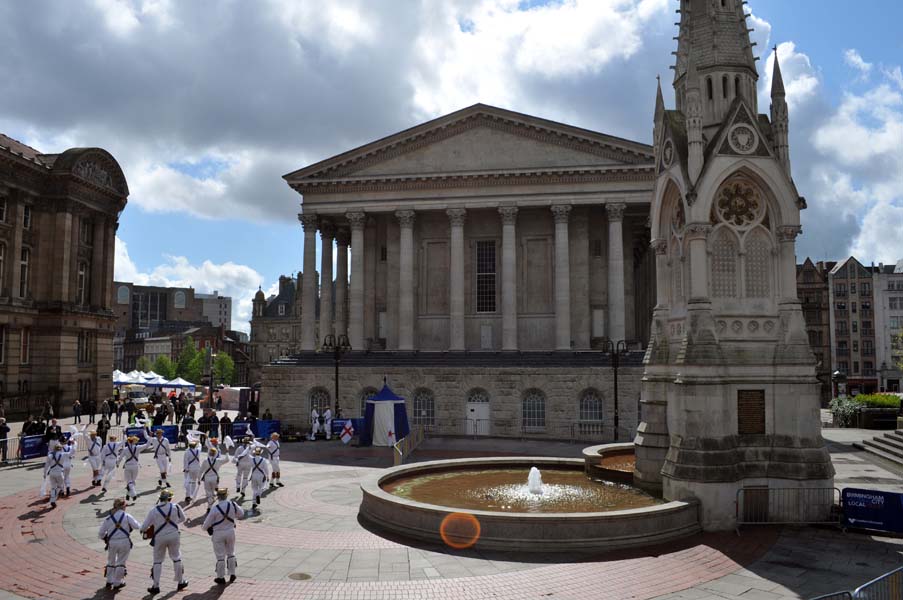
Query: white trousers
point(328, 428)
point(117, 553)
point(109, 470)
point(173, 544)
point(94, 461)
point(191, 483)
point(274, 467)
point(56, 484)
point(241, 478)
point(67, 472)
point(163, 465)
point(130, 474)
point(224, 550)
point(258, 485)
point(210, 483)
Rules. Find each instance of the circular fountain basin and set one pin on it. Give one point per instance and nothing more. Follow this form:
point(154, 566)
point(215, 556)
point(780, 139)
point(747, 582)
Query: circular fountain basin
point(506, 525)
point(611, 462)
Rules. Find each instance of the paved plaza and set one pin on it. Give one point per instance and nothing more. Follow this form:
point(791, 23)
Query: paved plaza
point(307, 543)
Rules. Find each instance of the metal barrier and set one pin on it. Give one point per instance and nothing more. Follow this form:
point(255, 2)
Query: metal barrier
point(887, 587)
point(406, 445)
point(788, 506)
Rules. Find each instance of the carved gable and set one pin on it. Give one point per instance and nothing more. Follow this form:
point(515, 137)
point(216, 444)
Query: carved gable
point(741, 135)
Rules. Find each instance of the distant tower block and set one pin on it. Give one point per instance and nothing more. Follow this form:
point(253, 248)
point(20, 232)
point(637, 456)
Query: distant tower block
point(730, 397)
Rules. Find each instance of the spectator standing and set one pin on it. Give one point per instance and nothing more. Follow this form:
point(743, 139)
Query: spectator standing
point(204, 423)
point(219, 402)
point(4, 437)
point(48, 411)
point(103, 426)
point(92, 409)
point(188, 423)
point(77, 411)
point(252, 422)
point(267, 415)
point(53, 432)
point(225, 425)
point(105, 410)
point(130, 409)
point(214, 426)
point(120, 407)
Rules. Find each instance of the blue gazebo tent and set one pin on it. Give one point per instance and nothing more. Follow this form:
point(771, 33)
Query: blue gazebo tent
point(385, 419)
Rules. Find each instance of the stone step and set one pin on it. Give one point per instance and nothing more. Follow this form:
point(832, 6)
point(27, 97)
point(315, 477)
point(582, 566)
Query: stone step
point(894, 439)
point(886, 450)
point(880, 453)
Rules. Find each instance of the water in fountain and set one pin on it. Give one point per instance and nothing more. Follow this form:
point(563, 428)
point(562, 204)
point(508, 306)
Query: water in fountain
point(534, 481)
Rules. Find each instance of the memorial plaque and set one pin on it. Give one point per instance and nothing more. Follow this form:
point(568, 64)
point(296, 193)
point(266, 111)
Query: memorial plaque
point(751, 412)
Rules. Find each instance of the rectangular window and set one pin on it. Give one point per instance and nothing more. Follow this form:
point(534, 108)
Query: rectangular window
point(25, 258)
point(866, 288)
point(893, 303)
point(87, 232)
point(2, 210)
point(855, 346)
point(840, 289)
point(853, 289)
point(2, 344)
point(853, 307)
point(894, 323)
point(282, 310)
point(383, 254)
point(841, 306)
point(25, 354)
point(843, 366)
point(485, 276)
point(855, 366)
point(597, 248)
point(26, 217)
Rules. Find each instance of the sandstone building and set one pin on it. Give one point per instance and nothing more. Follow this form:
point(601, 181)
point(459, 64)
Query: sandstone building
point(58, 220)
point(851, 289)
point(812, 290)
point(888, 296)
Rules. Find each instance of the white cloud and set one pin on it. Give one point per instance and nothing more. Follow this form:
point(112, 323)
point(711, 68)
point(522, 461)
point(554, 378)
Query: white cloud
point(801, 81)
point(853, 59)
point(240, 282)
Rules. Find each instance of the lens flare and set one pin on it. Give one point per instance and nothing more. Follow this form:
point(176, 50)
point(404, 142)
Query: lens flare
point(460, 530)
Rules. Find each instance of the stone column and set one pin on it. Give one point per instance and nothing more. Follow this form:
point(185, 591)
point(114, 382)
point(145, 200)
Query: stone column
point(406, 280)
point(698, 234)
point(97, 272)
point(327, 233)
point(309, 284)
point(662, 280)
point(343, 238)
point(456, 217)
point(616, 323)
point(509, 277)
point(787, 238)
point(356, 305)
point(561, 213)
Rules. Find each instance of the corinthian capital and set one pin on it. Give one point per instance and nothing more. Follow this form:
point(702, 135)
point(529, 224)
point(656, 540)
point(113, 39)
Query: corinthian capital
point(456, 216)
point(405, 218)
point(327, 229)
point(308, 222)
point(357, 219)
point(343, 236)
point(509, 215)
point(660, 247)
point(697, 230)
point(788, 233)
point(615, 211)
point(561, 212)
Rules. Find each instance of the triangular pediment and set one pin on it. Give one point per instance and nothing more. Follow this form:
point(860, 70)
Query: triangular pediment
point(478, 139)
point(741, 134)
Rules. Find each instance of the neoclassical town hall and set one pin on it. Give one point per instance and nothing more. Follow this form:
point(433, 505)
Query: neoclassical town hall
point(494, 255)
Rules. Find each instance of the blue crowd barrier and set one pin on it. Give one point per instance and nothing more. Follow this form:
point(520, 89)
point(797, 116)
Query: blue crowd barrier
point(33, 446)
point(137, 432)
point(170, 432)
point(240, 430)
point(265, 428)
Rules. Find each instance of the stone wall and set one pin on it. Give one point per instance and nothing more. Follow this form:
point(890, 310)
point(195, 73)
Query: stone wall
point(287, 389)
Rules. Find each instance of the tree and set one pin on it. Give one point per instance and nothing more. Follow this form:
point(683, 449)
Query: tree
point(164, 367)
point(195, 370)
point(144, 364)
point(186, 357)
point(223, 368)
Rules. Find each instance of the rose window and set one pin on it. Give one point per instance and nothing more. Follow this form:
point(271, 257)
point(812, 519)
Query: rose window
point(739, 204)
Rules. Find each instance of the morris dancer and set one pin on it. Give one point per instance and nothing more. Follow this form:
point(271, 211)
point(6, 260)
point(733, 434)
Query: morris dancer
point(68, 454)
point(260, 473)
point(131, 464)
point(116, 532)
point(160, 446)
point(191, 466)
point(242, 461)
point(314, 424)
point(95, 448)
point(210, 471)
point(53, 471)
point(161, 526)
point(327, 422)
point(273, 449)
point(220, 524)
point(110, 454)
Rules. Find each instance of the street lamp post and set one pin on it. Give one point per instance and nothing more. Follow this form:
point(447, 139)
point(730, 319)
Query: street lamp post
point(339, 347)
point(614, 350)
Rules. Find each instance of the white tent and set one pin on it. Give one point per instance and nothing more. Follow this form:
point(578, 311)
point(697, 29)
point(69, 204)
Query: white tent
point(150, 375)
point(156, 382)
point(178, 382)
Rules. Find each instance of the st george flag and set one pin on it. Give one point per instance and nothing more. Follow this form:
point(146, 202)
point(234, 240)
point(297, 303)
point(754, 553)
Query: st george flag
point(347, 432)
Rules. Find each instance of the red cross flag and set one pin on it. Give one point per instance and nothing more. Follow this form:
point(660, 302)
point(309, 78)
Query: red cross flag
point(347, 432)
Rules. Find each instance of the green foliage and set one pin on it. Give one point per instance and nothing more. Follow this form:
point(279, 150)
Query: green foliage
point(223, 369)
point(188, 354)
point(195, 370)
point(164, 367)
point(144, 364)
point(878, 400)
point(844, 410)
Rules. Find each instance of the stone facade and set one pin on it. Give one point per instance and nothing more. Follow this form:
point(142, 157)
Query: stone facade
point(812, 290)
point(851, 290)
point(888, 294)
point(58, 220)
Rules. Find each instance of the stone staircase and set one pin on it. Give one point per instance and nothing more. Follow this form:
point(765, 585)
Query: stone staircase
point(889, 446)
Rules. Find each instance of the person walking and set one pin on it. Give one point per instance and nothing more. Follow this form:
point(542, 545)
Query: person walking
point(220, 525)
point(260, 473)
point(48, 411)
point(95, 450)
point(109, 456)
point(120, 406)
point(273, 448)
point(160, 447)
point(130, 410)
point(161, 527)
point(92, 409)
point(116, 532)
point(105, 408)
point(210, 474)
point(77, 411)
point(242, 460)
point(4, 439)
point(130, 465)
point(191, 467)
point(68, 454)
point(53, 472)
point(103, 427)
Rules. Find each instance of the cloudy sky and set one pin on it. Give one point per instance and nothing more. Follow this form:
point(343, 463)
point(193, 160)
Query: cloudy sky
point(207, 104)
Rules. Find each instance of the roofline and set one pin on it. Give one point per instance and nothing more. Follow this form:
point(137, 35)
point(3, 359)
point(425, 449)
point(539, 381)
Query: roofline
point(637, 147)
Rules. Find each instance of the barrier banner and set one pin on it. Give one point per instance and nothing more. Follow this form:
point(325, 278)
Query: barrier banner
point(873, 509)
point(239, 430)
point(137, 432)
point(33, 446)
point(170, 432)
point(265, 428)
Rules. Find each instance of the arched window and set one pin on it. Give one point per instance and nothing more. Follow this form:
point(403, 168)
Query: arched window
point(178, 300)
point(318, 399)
point(724, 86)
point(2, 260)
point(724, 264)
point(81, 289)
point(424, 408)
point(478, 396)
point(25, 259)
point(122, 294)
point(710, 88)
point(366, 394)
point(737, 85)
point(758, 265)
point(533, 410)
point(590, 406)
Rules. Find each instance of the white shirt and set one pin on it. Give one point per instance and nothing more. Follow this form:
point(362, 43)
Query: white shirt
point(111, 451)
point(327, 414)
point(191, 460)
point(242, 456)
point(160, 447)
point(165, 517)
point(260, 467)
point(55, 462)
point(94, 447)
point(273, 449)
point(222, 515)
point(118, 525)
point(210, 466)
point(68, 453)
point(130, 453)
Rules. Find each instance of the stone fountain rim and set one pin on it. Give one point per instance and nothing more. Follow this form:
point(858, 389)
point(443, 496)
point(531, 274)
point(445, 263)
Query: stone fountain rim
point(372, 485)
point(596, 451)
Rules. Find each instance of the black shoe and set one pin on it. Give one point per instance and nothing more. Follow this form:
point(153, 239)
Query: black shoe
point(187, 501)
point(159, 482)
point(280, 484)
point(67, 492)
point(257, 500)
point(182, 585)
point(242, 496)
point(116, 588)
point(109, 586)
point(231, 578)
point(253, 508)
point(153, 590)
point(237, 490)
point(220, 580)
point(104, 490)
point(53, 505)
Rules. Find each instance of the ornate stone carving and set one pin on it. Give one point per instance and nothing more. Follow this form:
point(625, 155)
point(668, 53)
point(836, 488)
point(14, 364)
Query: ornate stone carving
point(743, 139)
point(758, 266)
point(327, 229)
point(456, 216)
point(788, 233)
point(342, 236)
point(405, 218)
point(768, 326)
point(660, 247)
point(753, 326)
point(561, 212)
point(93, 172)
point(308, 222)
point(668, 153)
point(509, 215)
point(357, 219)
point(739, 204)
point(615, 211)
point(698, 230)
point(737, 326)
point(721, 326)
